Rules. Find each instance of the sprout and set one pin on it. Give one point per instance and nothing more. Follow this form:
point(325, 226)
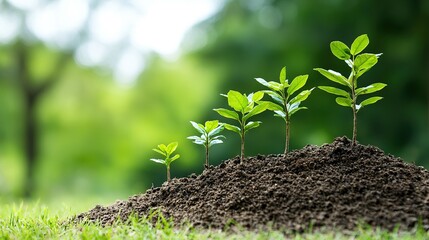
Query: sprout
point(166, 151)
point(244, 108)
point(283, 105)
point(359, 63)
point(208, 136)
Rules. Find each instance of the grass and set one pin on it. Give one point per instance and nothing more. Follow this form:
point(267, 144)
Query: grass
point(35, 221)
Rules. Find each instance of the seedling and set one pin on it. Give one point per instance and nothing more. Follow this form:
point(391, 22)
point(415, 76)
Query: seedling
point(284, 106)
point(359, 63)
point(166, 151)
point(244, 107)
point(209, 136)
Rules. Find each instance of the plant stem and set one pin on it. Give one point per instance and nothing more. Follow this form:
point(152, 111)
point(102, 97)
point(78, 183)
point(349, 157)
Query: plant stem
point(354, 124)
point(354, 111)
point(242, 145)
point(207, 156)
point(287, 137)
point(168, 173)
point(287, 120)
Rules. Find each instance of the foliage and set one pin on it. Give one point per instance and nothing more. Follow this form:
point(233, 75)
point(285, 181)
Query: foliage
point(281, 92)
point(209, 136)
point(359, 63)
point(245, 107)
point(166, 151)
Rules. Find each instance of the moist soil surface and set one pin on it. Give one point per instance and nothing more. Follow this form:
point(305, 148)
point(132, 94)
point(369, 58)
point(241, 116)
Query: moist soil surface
point(335, 185)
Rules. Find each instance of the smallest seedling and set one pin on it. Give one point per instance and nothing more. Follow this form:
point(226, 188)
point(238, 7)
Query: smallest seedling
point(166, 151)
point(208, 136)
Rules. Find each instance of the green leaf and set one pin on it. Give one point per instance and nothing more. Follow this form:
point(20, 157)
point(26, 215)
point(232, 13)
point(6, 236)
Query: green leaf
point(292, 106)
point(193, 137)
point(163, 148)
point(359, 44)
point(219, 136)
point(256, 110)
point(251, 125)
point(257, 96)
point(216, 131)
point(334, 76)
point(158, 160)
point(282, 76)
point(297, 83)
point(340, 50)
point(177, 156)
point(197, 140)
point(296, 110)
point(275, 86)
point(214, 142)
point(369, 101)
point(200, 142)
point(346, 102)
point(198, 127)
point(275, 96)
point(172, 147)
point(237, 101)
point(210, 125)
point(335, 91)
point(271, 106)
point(302, 96)
point(159, 151)
point(280, 113)
point(370, 89)
point(232, 128)
point(227, 113)
point(262, 81)
point(364, 62)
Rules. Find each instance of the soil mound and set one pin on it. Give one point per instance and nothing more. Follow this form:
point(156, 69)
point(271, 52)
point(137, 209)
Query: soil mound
point(334, 185)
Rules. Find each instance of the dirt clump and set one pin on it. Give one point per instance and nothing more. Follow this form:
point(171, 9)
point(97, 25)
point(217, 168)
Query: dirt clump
point(331, 186)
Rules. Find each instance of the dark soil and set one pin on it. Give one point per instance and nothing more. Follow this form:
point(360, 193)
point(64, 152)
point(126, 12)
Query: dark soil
point(331, 186)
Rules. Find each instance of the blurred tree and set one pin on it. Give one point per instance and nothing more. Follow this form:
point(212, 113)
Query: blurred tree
point(90, 133)
point(31, 94)
point(30, 78)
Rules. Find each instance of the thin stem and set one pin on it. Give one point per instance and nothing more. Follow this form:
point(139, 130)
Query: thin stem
point(285, 99)
point(242, 146)
point(287, 137)
point(207, 156)
point(242, 124)
point(354, 123)
point(168, 174)
point(354, 107)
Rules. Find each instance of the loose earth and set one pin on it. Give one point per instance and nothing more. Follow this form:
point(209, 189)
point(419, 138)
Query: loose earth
point(330, 186)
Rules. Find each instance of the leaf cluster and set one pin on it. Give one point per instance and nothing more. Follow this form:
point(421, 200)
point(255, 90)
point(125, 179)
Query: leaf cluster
point(166, 151)
point(208, 132)
point(245, 107)
point(359, 63)
point(283, 105)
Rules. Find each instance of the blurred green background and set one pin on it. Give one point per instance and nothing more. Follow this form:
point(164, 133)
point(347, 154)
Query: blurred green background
point(83, 100)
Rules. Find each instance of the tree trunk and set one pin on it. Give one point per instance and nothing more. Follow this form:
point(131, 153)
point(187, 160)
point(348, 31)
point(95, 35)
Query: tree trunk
point(30, 142)
point(31, 96)
point(29, 102)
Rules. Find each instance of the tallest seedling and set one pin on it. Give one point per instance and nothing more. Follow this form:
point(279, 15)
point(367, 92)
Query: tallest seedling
point(359, 63)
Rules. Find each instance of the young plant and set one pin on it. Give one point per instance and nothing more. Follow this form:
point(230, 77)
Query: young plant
point(244, 108)
point(209, 136)
point(166, 151)
point(359, 63)
point(281, 92)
